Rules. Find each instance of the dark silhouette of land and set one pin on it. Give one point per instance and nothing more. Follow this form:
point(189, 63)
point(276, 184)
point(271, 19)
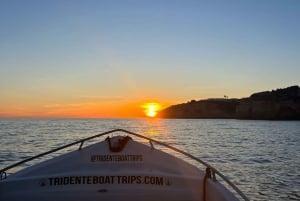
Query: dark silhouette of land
point(280, 104)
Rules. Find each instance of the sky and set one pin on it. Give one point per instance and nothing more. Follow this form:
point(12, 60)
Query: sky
point(106, 58)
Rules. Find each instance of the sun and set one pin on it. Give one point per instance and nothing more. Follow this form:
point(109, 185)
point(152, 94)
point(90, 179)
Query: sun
point(151, 109)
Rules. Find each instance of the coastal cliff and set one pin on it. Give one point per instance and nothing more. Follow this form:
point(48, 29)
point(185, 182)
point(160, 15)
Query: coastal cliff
point(280, 104)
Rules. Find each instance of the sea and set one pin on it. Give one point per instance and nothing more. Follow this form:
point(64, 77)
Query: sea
point(262, 158)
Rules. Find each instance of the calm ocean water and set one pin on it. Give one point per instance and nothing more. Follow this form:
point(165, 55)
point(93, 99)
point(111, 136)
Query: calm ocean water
point(261, 157)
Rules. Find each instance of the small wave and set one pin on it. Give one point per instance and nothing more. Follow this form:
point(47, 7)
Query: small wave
point(257, 160)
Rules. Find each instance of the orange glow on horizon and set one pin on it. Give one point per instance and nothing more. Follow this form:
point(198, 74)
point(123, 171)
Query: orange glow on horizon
point(130, 109)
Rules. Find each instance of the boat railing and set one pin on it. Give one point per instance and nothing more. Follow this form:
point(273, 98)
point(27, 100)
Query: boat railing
point(212, 171)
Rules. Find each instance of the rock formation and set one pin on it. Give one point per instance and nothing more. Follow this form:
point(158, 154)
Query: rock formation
point(280, 104)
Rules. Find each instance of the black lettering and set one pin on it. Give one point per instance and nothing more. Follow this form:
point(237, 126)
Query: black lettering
point(112, 179)
point(124, 180)
point(119, 179)
point(117, 158)
point(154, 180)
point(95, 180)
point(83, 179)
point(72, 179)
point(89, 180)
point(77, 180)
point(101, 180)
point(50, 181)
point(56, 181)
point(66, 180)
point(132, 179)
point(159, 181)
point(146, 180)
point(107, 181)
point(138, 179)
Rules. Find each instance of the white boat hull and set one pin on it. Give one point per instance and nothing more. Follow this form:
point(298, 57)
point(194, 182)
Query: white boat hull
point(98, 172)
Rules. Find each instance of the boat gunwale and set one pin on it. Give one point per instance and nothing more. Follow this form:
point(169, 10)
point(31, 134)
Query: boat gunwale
point(210, 168)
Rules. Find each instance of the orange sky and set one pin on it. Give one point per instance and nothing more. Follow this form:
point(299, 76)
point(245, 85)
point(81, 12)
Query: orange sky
point(80, 110)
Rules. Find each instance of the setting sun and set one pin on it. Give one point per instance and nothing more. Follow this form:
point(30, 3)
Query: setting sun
point(151, 109)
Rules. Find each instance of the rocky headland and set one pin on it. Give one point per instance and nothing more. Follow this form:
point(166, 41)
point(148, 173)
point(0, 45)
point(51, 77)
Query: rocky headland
point(280, 104)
